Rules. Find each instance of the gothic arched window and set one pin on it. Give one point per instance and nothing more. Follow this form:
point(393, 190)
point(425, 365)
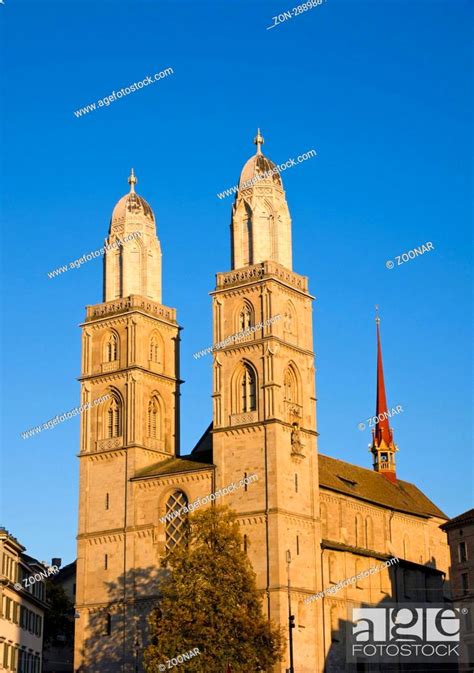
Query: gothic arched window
point(154, 349)
point(111, 348)
point(246, 317)
point(154, 418)
point(248, 390)
point(114, 421)
point(176, 524)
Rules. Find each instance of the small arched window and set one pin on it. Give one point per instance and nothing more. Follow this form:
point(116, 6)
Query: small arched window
point(114, 421)
point(369, 532)
point(154, 418)
point(108, 624)
point(248, 390)
point(111, 348)
point(154, 349)
point(246, 317)
point(333, 569)
point(245, 543)
point(406, 546)
point(359, 530)
point(323, 512)
point(176, 520)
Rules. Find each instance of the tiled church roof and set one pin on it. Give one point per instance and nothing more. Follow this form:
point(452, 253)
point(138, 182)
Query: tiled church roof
point(337, 475)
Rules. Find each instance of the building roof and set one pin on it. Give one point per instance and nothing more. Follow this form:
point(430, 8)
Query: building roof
point(359, 482)
point(461, 519)
point(172, 466)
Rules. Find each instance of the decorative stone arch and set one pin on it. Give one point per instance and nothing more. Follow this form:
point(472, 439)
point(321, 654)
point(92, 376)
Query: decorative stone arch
point(292, 384)
point(244, 388)
point(135, 252)
point(110, 345)
point(242, 224)
point(290, 320)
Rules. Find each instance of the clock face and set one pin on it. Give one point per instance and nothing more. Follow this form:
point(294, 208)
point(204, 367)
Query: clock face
point(383, 457)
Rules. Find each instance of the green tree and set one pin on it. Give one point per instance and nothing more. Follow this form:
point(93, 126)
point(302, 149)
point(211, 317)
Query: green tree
point(209, 600)
point(59, 617)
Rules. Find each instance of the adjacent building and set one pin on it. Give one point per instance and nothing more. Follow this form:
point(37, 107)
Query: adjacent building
point(460, 532)
point(337, 520)
point(22, 608)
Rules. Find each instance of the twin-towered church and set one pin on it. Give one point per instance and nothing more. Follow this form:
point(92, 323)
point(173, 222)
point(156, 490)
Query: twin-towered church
point(336, 519)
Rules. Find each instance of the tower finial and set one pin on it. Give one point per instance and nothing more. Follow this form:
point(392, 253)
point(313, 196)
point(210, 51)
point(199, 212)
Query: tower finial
point(377, 319)
point(132, 181)
point(258, 141)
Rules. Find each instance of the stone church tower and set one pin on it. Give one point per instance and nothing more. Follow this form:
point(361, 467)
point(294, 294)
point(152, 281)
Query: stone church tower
point(130, 350)
point(264, 398)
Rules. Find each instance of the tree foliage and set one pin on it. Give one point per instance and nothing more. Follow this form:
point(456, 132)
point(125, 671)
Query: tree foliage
point(59, 617)
point(209, 600)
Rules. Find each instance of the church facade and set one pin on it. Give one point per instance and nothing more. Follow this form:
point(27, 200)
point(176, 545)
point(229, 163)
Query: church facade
point(330, 519)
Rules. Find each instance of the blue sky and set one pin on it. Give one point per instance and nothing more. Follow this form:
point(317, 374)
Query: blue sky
point(381, 90)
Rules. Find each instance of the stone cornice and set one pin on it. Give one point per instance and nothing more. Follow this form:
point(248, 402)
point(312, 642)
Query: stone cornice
point(264, 271)
point(119, 374)
point(133, 303)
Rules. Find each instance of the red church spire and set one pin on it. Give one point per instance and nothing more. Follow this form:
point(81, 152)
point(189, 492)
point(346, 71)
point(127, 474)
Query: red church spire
point(383, 447)
point(382, 427)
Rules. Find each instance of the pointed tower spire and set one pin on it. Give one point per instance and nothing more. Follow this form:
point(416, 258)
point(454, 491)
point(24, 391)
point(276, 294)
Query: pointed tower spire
point(383, 447)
